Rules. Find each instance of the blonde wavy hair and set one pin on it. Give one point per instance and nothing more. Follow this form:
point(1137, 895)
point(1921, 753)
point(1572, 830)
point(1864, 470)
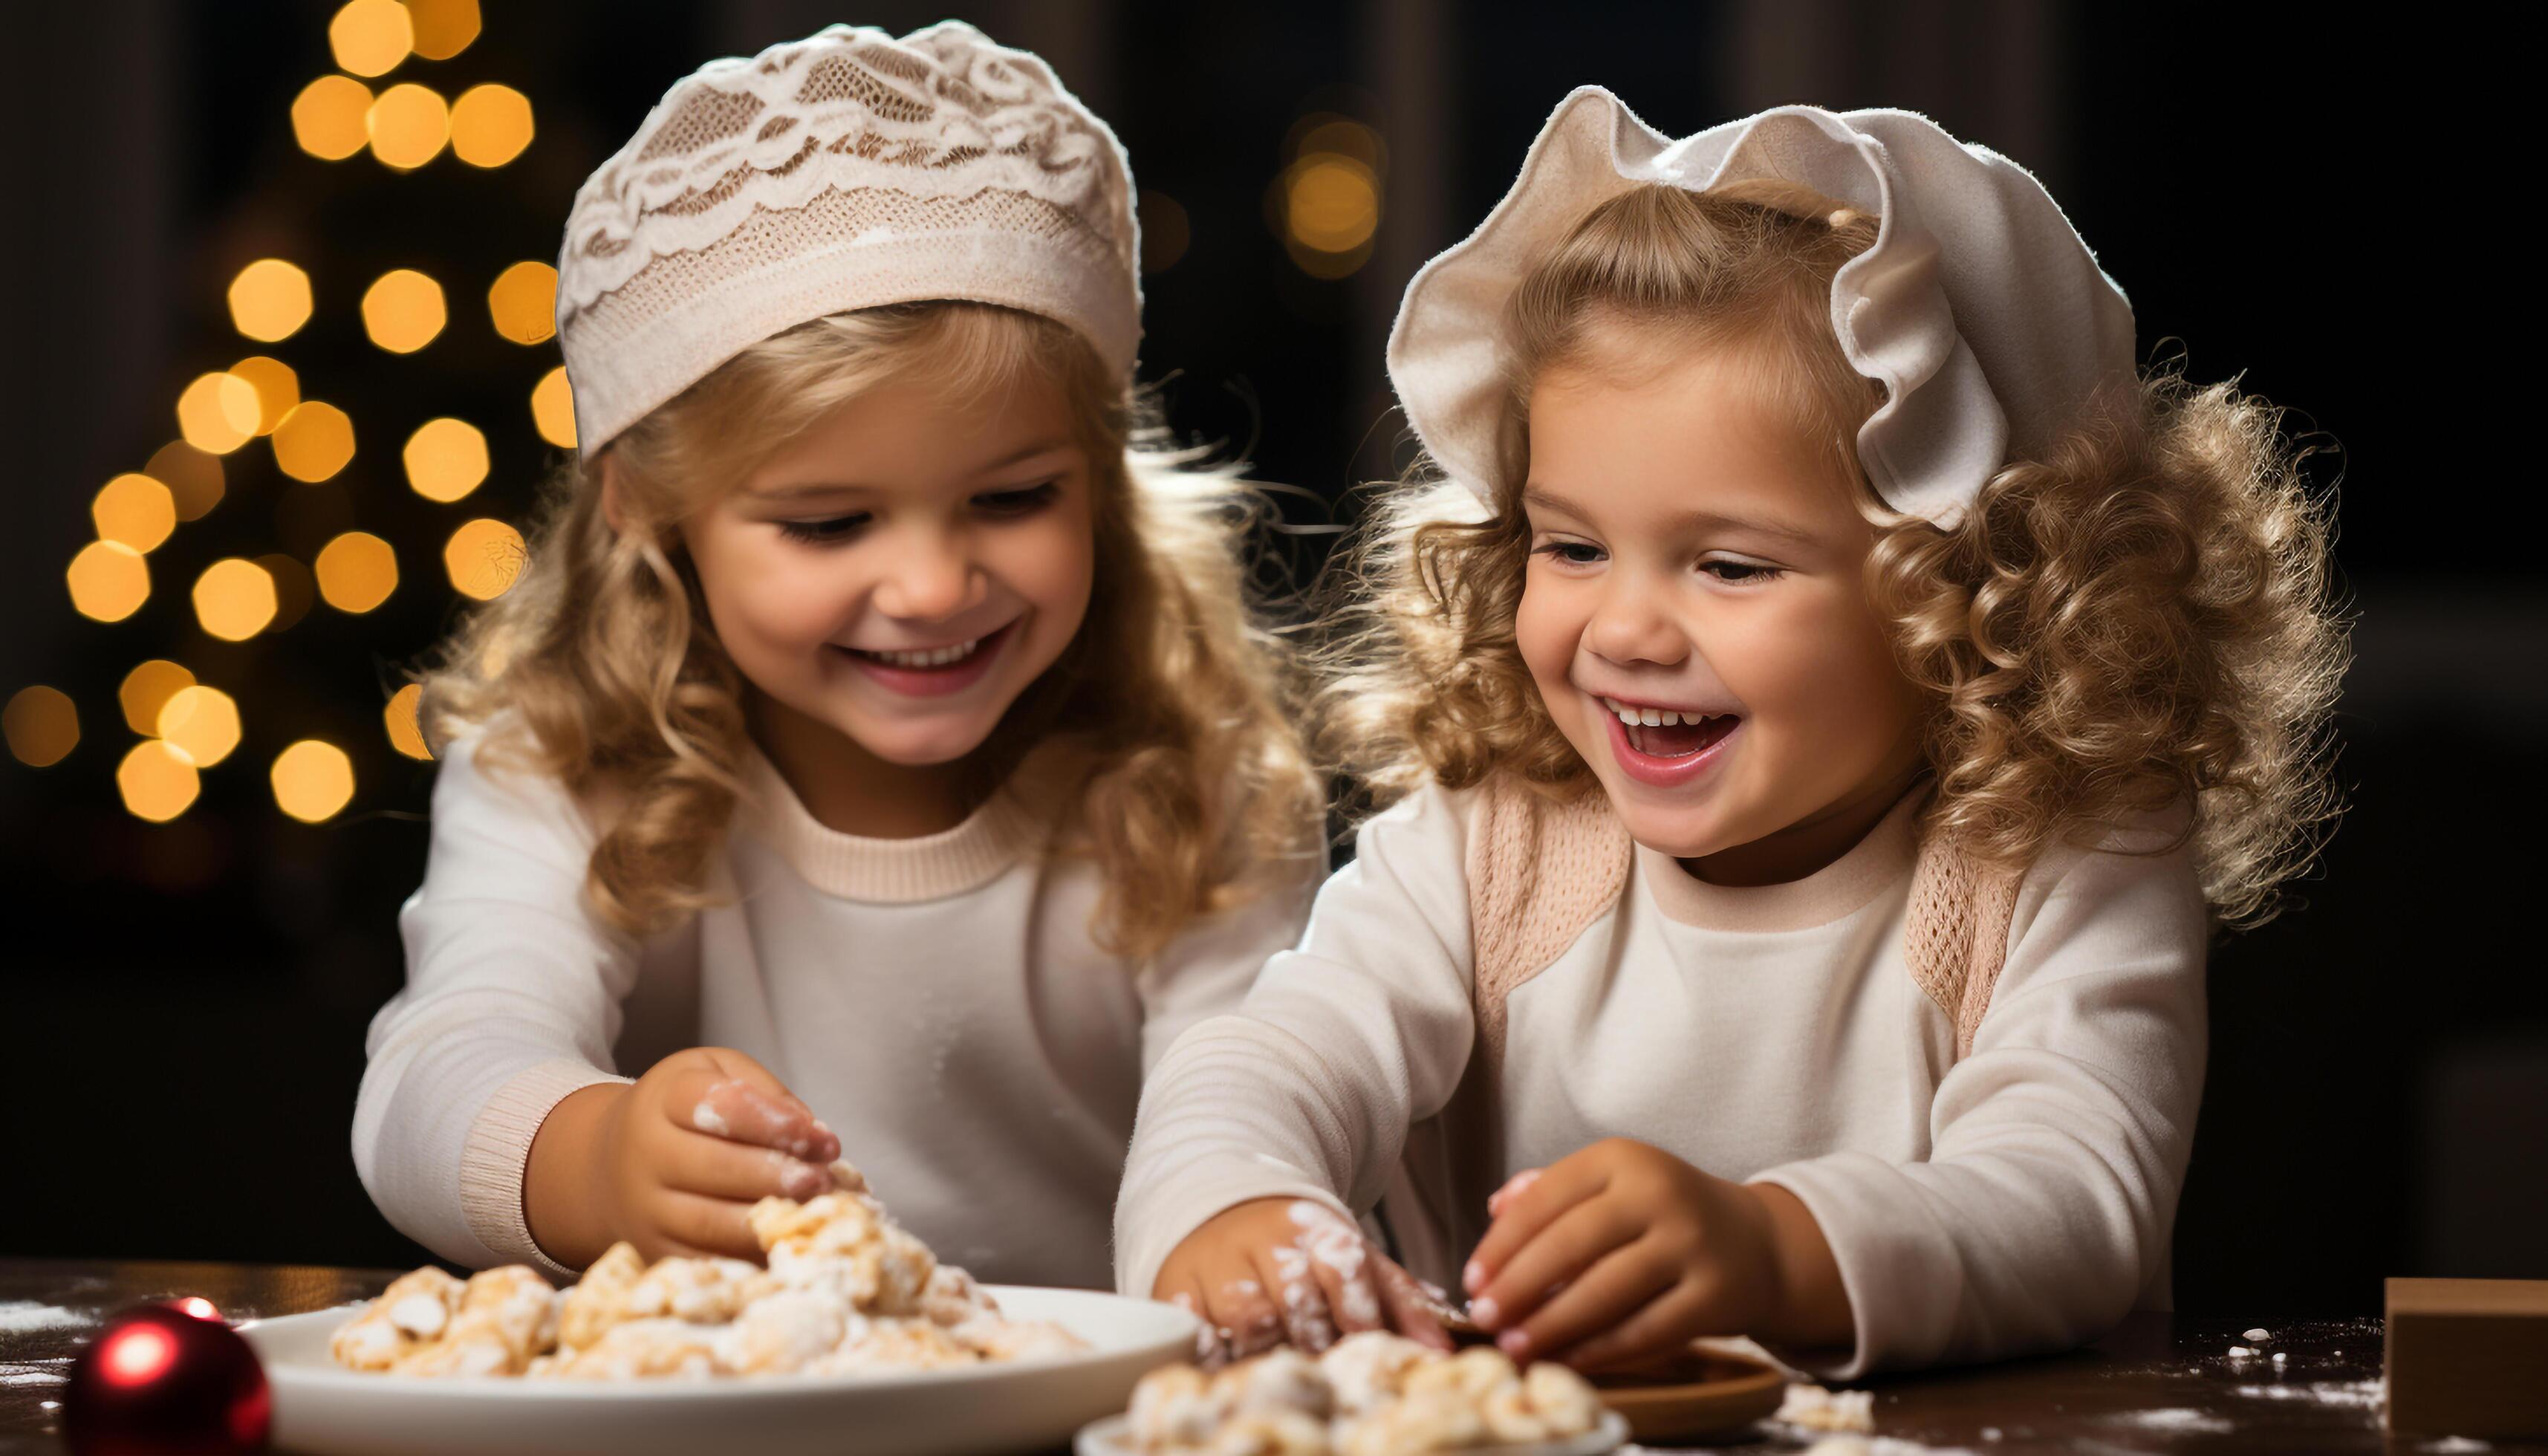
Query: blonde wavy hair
point(1188, 784)
point(2136, 622)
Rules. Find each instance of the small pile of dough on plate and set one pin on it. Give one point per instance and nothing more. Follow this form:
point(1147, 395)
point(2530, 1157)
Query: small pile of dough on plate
point(1371, 1394)
point(847, 1292)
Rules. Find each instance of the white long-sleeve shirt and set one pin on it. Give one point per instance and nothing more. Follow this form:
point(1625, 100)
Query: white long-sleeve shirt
point(938, 1001)
point(2018, 1199)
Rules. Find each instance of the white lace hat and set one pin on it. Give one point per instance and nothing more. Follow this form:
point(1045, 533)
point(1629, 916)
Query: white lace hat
point(842, 171)
point(1978, 308)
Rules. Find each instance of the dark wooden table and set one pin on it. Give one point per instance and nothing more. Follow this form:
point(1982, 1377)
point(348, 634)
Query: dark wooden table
point(2160, 1384)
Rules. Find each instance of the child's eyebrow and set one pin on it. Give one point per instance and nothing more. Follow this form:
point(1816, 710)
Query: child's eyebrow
point(1547, 500)
point(804, 489)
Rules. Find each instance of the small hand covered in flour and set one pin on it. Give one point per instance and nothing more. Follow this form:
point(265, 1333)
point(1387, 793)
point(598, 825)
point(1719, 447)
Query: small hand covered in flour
point(1279, 1269)
point(1620, 1254)
point(672, 1163)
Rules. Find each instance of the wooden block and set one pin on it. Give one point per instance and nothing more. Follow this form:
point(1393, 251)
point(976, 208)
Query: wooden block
point(2467, 1357)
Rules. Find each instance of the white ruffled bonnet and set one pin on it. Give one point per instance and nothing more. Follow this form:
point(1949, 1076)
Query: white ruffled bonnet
point(1978, 308)
point(843, 171)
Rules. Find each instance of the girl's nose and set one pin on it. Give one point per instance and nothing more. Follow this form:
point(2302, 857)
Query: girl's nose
point(1628, 626)
point(930, 580)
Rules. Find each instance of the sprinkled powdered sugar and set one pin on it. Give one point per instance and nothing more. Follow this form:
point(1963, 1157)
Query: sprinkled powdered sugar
point(2360, 1394)
point(19, 1316)
point(2179, 1417)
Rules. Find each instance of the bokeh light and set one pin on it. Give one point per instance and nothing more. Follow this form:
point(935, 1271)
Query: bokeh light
point(312, 781)
point(490, 125)
point(1164, 231)
point(42, 725)
point(446, 459)
point(192, 477)
point(1331, 207)
point(234, 598)
point(201, 723)
point(443, 28)
point(277, 387)
point(108, 581)
point(156, 781)
point(371, 36)
point(136, 510)
point(314, 442)
point(328, 118)
point(357, 572)
point(293, 590)
point(409, 125)
point(553, 408)
point(147, 689)
point(482, 558)
point(270, 300)
point(217, 412)
point(523, 303)
point(403, 311)
point(406, 734)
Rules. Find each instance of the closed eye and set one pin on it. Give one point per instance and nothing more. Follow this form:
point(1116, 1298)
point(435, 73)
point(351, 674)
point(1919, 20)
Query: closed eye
point(1009, 504)
point(825, 532)
point(1741, 573)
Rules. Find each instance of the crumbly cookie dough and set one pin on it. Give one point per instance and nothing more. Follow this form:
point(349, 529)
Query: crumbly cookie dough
point(1372, 1394)
point(845, 1291)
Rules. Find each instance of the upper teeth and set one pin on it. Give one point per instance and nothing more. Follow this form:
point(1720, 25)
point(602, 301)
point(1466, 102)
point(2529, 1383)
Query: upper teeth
point(1636, 717)
point(927, 657)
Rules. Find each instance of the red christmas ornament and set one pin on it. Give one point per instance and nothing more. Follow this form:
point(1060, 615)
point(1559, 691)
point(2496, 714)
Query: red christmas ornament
point(166, 1380)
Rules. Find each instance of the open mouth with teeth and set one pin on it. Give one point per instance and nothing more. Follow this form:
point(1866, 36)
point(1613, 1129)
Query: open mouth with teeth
point(1670, 733)
point(930, 659)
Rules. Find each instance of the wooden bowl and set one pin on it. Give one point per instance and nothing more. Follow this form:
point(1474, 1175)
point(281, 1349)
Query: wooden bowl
point(1705, 1393)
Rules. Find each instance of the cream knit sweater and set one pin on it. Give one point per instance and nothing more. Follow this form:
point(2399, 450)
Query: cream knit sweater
point(2011, 1193)
point(938, 1001)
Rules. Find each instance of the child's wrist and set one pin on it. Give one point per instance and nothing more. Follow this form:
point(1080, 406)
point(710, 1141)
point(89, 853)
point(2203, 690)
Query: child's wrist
point(562, 1175)
point(1811, 1308)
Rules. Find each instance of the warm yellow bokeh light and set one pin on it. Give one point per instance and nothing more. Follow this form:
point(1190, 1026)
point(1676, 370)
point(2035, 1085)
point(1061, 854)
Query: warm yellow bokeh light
point(109, 581)
point(313, 441)
point(42, 726)
point(313, 780)
point(136, 510)
point(482, 558)
point(203, 723)
point(147, 689)
point(371, 36)
point(357, 572)
point(328, 118)
point(407, 125)
point(1333, 203)
point(446, 459)
point(443, 28)
point(407, 735)
point(553, 408)
point(490, 125)
point(403, 311)
point(217, 412)
point(156, 781)
point(270, 300)
point(192, 477)
point(523, 303)
point(277, 387)
point(234, 598)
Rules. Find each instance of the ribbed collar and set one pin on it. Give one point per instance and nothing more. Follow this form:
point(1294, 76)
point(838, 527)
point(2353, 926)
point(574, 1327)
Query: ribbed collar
point(885, 871)
point(1833, 892)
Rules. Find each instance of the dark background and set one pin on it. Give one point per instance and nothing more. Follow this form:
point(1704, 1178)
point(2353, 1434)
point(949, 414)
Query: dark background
point(182, 1006)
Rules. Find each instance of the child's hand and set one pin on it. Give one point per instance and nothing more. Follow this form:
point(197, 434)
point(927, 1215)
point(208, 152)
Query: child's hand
point(1277, 1269)
point(1620, 1254)
point(672, 1163)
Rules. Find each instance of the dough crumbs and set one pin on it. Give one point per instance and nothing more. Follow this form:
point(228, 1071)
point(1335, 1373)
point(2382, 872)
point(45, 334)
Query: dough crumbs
point(847, 1291)
point(1812, 1407)
point(1372, 1394)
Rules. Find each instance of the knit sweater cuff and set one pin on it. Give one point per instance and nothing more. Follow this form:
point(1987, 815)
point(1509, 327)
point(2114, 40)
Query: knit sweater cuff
point(498, 1151)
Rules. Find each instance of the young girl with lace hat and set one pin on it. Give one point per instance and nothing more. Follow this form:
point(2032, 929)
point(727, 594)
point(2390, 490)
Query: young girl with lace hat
point(1830, 698)
point(879, 752)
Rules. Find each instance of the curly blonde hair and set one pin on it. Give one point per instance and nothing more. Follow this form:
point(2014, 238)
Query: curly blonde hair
point(1190, 785)
point(2139, 620)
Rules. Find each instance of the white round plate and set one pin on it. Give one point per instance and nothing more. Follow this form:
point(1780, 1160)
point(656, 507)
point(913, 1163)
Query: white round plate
point(1112, 1438)
point(322, 1407)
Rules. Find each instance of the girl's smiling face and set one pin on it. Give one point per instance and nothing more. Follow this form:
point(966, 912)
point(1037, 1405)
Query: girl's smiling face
point(1697, 555)
point(903, 571)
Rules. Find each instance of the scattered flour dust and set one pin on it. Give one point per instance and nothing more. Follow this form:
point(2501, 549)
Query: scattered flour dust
point(2363, 1395)
point(2179, 1417)
point(19, 1316)
point(2456, 1444)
